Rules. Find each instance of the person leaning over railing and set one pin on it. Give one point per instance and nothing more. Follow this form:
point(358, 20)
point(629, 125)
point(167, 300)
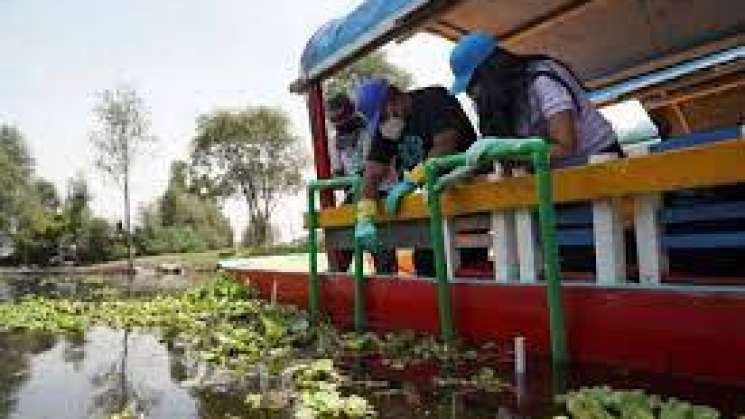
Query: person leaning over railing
point(408, 127)
point(530, 96)
point(351, 146)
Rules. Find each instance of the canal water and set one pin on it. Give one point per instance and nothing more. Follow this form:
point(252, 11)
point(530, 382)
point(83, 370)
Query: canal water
point(101, 372)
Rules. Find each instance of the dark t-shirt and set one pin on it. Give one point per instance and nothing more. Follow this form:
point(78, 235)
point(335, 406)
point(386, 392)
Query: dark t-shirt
point(434, 110)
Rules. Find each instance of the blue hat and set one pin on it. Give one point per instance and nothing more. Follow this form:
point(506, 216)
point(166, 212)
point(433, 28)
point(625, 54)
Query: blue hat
point(470, 51)
point(370, 97)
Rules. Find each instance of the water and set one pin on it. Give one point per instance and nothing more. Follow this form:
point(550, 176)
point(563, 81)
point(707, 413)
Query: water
point(103, 371)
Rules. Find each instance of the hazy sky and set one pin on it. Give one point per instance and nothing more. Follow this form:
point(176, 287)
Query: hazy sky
point(185, 58)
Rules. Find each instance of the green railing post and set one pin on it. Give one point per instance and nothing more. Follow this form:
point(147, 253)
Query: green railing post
point(447, 329)
point(314, 291)
point(314, 286)
point(547, 220)
point(486, 151)
point(359, 275)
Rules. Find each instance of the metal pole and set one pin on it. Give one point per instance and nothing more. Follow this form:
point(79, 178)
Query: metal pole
point(438, 247)
point(314, 291)
point(314, 287)
point(360, 314)
point(547, 219)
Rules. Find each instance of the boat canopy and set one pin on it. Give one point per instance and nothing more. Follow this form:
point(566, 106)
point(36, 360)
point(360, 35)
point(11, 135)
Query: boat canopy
point(605, 41)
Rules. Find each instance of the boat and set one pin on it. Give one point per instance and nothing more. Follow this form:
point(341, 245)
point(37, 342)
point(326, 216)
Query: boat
point(651, 246)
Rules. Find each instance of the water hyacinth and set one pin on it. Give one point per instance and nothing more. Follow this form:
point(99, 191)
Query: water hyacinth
point(283, 367)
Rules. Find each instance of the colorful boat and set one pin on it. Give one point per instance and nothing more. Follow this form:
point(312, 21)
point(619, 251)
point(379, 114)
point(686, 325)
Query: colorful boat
point(651, 246)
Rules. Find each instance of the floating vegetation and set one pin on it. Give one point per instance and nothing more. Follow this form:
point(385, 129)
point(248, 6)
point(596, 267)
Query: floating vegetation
point(605, 402)
point(277, 364)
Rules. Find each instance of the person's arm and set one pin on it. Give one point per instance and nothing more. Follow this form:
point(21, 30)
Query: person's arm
point(372, 177)
point(444, 143)
point(562, 131)
point(557, 105)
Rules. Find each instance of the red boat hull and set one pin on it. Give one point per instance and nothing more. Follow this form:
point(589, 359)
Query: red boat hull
point(671, 331)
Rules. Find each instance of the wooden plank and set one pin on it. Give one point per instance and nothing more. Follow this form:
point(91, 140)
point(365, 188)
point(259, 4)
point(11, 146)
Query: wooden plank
point(651, 256)
point(710, 165)
point(452, 255)
point(610, 249)
point(504, 239)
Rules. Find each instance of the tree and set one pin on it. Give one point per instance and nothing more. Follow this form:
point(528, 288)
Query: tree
point(47, 193)
point(181, 220)
point(16, 167)
point(122, 129)
point(375, 64)
point(250, 153)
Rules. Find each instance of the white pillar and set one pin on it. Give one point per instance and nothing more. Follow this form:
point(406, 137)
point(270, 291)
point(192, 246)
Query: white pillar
point(504, 242)
point(528, 255)
point(452, 256)
point(610, 251)
point(648, 228)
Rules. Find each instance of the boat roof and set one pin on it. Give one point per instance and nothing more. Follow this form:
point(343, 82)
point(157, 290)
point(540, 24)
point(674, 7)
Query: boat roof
point(605, 41)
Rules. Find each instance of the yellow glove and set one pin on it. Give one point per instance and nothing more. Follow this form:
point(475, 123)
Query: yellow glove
point(366, 209)
point(416, 175)
point(364, 229)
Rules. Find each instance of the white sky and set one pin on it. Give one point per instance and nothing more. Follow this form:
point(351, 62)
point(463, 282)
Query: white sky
point(185, 58)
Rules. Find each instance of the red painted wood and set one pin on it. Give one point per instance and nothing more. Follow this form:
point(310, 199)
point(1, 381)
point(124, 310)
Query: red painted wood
point(660, 331)
point(320, 140)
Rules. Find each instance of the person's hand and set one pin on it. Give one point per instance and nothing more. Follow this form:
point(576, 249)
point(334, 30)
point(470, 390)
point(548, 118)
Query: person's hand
point(366, 235)
point(365, 232)
point(455, 177)
point(397, 192)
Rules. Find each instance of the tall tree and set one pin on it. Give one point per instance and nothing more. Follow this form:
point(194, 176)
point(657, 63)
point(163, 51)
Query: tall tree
point(122, 130)
point(16, 168)
point(250, 153)
point(375, 64)
point(183, 220)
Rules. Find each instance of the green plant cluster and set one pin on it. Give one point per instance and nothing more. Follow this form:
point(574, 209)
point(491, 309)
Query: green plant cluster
point(606, 403)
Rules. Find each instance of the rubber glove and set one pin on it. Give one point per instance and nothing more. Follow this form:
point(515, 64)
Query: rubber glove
point(456, 176)
point(397, 192)
point(364, 229)
point(412, 179)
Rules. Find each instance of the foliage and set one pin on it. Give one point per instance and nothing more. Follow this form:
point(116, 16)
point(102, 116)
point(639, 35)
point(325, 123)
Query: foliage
point(122, 130)
point(182, 221)
point(605, 402)
point(16, 167)
point(375, 64)
point(292, 367)
point(252, 154)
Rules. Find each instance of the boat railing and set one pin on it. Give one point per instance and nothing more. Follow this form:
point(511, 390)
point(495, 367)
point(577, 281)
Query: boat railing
point(622, 193)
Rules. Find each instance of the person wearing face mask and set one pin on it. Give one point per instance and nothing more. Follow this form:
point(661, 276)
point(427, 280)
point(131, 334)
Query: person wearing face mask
point(351, 145)
point(530, 96)
point(406, 127)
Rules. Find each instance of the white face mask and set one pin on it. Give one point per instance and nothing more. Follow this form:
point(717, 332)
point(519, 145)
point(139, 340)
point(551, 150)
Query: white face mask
point(392, 128)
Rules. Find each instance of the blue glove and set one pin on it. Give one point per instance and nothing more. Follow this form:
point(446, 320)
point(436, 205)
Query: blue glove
point(398, 191)
point(366, 234)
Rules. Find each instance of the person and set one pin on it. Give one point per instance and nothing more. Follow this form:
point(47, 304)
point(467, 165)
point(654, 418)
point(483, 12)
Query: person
point(351, 145)
point(407, 127)
point(530, 96)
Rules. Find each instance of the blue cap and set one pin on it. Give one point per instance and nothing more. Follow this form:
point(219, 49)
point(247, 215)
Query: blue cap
point(470, 51)
point(370, 96)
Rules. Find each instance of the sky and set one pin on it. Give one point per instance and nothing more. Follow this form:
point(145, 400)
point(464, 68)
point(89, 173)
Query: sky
point(185, 58)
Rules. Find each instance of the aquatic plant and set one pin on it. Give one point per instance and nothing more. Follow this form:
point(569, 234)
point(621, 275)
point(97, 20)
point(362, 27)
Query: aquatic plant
point(605, 402)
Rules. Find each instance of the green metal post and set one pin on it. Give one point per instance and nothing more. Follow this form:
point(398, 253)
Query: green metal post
point(314, 291)
point(438, 247)
point(314, 286)
point(547, 217)
point(359, 276)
